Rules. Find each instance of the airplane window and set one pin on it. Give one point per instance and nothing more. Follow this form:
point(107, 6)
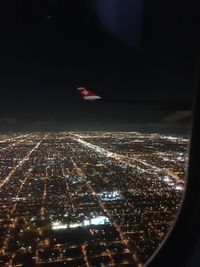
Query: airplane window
point(95, 116)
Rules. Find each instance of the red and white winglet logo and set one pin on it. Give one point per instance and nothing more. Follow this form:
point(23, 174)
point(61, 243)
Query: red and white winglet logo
point(88, 95)
point(85, 92)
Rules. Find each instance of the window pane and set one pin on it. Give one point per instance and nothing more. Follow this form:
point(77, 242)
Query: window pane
point(95, 115)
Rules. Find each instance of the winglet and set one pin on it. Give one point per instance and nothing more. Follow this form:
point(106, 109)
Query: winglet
point(88, 95)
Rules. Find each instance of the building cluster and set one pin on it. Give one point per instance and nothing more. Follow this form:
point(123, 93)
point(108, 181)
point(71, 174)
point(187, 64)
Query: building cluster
point(88, 198)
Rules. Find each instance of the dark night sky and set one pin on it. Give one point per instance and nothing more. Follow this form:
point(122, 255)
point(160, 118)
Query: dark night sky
point(125, 50)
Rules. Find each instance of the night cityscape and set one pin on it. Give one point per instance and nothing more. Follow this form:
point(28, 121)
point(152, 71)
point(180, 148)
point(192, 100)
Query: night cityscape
point(88, 198)
point(94, 177)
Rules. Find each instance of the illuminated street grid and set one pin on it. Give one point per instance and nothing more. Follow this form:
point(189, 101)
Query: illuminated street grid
point(87, 198)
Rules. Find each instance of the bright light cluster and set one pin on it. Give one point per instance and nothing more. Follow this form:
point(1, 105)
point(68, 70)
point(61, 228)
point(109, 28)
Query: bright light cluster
point(98, 220)
point(110, 196)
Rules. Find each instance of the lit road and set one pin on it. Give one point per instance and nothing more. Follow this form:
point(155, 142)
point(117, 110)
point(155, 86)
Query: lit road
point(88, 197)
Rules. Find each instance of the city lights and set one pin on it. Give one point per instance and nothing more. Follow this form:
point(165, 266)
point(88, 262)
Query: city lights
point(88, 197)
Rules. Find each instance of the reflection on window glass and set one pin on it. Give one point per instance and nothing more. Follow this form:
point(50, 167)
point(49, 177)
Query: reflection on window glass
point(95, 116)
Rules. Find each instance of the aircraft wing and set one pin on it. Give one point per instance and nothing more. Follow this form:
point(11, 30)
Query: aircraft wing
point(88, 95)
